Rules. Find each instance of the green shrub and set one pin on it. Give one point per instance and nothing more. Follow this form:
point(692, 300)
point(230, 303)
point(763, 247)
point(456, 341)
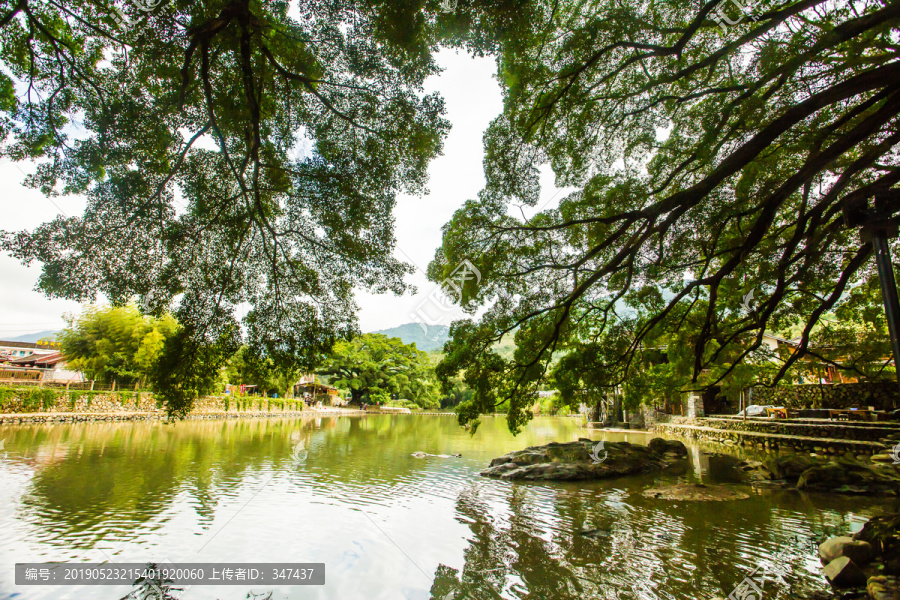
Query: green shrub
point(227, 404)
point(7, 394)
point(31, 399)
point(402, 404)
point(548, 406)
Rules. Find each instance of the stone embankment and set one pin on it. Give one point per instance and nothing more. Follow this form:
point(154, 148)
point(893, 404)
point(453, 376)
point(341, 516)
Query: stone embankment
point(860, 439)
point(25, 418)
point(880, 394)
point(37, 405)
point(840, 475)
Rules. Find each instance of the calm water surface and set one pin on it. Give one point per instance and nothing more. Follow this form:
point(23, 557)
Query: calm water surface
point(387, 525)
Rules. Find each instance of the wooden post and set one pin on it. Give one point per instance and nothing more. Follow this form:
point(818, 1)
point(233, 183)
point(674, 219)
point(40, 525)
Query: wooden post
point(114, 385)
point(92, 385)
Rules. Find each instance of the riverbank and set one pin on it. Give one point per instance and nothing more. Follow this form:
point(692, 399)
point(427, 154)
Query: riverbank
point(83, 417)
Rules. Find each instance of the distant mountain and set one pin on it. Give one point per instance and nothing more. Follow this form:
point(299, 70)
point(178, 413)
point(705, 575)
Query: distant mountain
point(34, 337)
point(432, 339)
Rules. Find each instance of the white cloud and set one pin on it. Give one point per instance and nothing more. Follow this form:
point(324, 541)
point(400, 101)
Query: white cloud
point(23, 310)
point(473, 100)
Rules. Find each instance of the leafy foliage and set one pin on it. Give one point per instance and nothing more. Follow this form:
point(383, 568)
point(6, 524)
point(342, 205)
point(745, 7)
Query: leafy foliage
point(707, 162)
point(111, 343)
point(189, 368)
point(376, 366)
point(231, 153)
point(152, 585)
point(245, 367)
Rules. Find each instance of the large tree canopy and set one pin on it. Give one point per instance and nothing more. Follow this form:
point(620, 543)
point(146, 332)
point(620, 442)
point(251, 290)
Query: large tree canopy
point(376, 364)
point(233, 153)
point(710, 160)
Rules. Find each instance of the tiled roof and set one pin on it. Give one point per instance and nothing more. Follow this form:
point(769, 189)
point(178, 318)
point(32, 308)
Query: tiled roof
point(44, 360)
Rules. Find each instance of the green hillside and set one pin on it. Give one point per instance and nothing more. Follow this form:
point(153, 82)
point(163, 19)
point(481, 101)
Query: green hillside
point(431, 339)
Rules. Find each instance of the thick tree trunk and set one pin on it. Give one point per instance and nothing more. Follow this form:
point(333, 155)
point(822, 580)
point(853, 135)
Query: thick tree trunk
point(616, 416)
point(595, 415)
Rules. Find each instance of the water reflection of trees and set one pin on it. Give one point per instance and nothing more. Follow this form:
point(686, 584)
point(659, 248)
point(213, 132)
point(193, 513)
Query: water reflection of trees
point(526, 543)
point(87, 473)
point(526, 553)
point(135, 471)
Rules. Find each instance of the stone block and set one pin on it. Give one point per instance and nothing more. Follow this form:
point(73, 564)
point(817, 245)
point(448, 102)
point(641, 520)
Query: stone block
point(860, 552)
point(843, 572)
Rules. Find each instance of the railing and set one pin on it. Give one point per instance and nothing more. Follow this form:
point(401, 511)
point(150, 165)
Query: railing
point(35, 379)
point(20, 375)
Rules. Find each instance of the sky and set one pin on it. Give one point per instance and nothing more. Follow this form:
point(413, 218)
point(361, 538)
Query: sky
point(473, 99)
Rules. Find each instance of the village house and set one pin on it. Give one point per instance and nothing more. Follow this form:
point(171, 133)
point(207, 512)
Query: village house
point(20, 349)
point(30, 362)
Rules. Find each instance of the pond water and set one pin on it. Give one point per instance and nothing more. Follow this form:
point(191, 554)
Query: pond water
point(345, 491)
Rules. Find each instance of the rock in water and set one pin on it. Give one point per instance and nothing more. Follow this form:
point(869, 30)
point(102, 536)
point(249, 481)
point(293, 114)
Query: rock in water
point(420, 454)
point(595, 533)
point(883, 533)
point(847, 477)
point(882, 587)
point(858, 551)
point(575, 461)
point(663, 446)
point(789, 467)
point(696, 492)
point(842, 572)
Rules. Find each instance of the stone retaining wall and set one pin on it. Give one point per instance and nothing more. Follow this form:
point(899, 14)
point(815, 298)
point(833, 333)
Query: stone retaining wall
point(825, 430)
point(60, 417)
point(45, 400)
point(770, 442)
point(879, 394)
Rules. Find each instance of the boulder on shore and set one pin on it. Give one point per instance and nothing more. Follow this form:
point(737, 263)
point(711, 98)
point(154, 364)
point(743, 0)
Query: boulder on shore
point(849, 478)
point(843, 572)
point(859, 551)
point(585, 459)
point(883, 533)
point(837, 475)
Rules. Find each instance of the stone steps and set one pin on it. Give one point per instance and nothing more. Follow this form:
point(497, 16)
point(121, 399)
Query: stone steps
point(893, 425)
point(773, 440)
point(830, 430)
